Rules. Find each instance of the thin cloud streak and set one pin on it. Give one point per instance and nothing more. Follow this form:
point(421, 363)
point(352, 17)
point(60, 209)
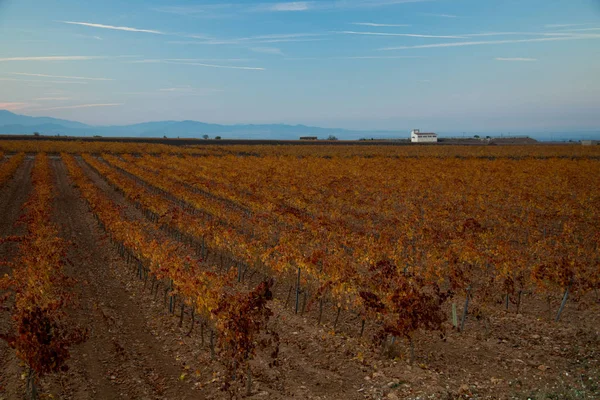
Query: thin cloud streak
point(483, 43)
point(563, 25)
point(515, 59)
point(62, 77)
point(112, 27)
point(186, 88)
point(379, 25)
point(401, 34)
point(88, 36)
point(354, 58)
point(273, 38)
point(55, 58)
point(13, 105)
point(439, 15)
point(582, 30)
point(267, 50)
point(52, 99)
point(293, 6)
point(43, 81)
point(517, 34)
point(205, 9)
point(168, 61)
point(210, 59)
point(289, 40)
point(79, 106)
point(217, 66)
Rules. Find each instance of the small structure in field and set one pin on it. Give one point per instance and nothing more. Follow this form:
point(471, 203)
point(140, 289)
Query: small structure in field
point(590, 142)
point(416, 136)
point(308, 138)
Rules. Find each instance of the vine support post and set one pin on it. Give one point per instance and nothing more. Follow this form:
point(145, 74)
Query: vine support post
point(31, 385)
point(454, 316)
point(297, 291)
point(362, 327)
point(287, 300)
point(305, 295)
point(201, 332)
point(248, 381)
point(563, 303)
point(212, 344)
point(182, 312)
point(193, 320)
point(465, 310)
point(337, 316)
point(320, 311)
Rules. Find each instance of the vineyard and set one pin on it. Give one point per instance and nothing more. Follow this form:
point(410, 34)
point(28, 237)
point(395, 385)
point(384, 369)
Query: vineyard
point(150, 271)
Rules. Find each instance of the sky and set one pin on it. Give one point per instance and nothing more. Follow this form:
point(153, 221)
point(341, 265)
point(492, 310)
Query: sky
point(442, 65)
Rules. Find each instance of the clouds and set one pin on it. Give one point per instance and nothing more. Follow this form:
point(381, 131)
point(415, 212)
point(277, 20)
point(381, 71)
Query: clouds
point(267, 50)
point(562, 25)
point(62, 76)
point(415, 35)
point(439, 15)
point(293, 6)
point(198, 64)
point(53, 58)
point(37, 81)
point(515, 59)
point(492, 42)
point(186, 88)
point(12, 106)
point(115, 28)
point(213, 10)
point(353, 58)
point(79, 106)
point(52, 99)
point(373, 24)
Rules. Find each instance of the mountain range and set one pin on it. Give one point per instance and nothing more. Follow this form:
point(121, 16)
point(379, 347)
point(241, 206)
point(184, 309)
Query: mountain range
point(11, 123)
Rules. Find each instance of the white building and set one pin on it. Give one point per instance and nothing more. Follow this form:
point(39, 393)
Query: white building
point(417, 136)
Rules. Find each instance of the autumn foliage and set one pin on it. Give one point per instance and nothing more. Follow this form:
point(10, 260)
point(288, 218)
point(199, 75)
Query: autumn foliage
point(36, 293)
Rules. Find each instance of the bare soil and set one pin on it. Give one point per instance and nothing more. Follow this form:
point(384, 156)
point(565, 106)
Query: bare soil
point(137, 350)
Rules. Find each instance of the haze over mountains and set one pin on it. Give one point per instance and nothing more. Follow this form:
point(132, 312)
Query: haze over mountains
point(11, 123)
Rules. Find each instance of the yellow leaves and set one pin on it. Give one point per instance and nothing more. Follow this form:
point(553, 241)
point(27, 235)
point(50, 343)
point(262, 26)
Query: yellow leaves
point(359, 357)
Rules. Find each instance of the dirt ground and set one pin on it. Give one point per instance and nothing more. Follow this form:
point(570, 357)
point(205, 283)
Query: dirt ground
point(137, 350)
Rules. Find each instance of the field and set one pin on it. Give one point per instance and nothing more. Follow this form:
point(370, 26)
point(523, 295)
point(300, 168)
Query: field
point(149, 271)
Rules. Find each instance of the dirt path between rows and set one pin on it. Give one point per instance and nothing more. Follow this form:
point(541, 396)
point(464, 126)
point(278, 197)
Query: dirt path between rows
point(122, 358)
point(13, 194)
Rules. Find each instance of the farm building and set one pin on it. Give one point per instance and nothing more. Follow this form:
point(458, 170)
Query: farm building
point(417, 136)
point(590, 142)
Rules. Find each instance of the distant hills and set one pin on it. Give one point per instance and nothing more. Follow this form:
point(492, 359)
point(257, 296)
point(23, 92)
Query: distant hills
point(11, 123)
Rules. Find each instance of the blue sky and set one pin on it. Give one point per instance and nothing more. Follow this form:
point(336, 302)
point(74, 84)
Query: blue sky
point(445, 65)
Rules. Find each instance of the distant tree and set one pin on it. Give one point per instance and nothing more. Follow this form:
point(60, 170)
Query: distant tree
point(164, 136)
point(217, 137)
point(488, 137)
point(205, 137)
point(331, 137)
point(36, 134)
point(476, 136)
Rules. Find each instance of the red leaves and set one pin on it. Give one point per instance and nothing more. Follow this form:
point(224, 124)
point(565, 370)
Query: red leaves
point(41, 334)
point(241, 318)
point(43, 338)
